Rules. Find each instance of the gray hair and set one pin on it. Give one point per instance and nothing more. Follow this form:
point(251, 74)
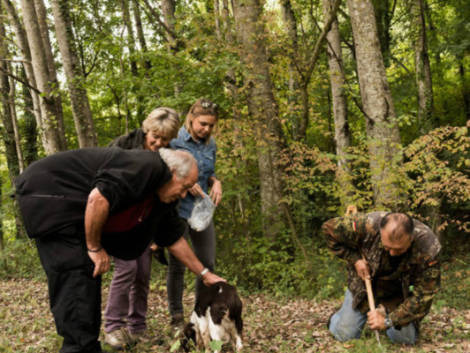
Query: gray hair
point(179, 161)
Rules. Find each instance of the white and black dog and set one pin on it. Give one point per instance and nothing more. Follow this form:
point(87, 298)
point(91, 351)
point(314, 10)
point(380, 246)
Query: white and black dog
point(217, 315)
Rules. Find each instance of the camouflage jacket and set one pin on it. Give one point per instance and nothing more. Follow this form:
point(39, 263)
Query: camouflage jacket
point(405, 288)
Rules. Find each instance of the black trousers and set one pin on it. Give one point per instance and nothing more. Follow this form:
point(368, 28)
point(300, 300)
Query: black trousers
point(75, 296)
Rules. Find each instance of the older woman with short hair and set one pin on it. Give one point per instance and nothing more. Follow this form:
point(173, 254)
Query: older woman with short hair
point(126, 309)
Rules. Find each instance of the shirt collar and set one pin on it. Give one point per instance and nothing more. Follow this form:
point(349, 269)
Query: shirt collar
point(187, 136)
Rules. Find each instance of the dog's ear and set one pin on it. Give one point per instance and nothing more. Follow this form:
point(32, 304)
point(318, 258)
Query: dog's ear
point(218, 310)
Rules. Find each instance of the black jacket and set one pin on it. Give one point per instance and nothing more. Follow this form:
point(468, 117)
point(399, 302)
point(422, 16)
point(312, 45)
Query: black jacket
point(52, 194)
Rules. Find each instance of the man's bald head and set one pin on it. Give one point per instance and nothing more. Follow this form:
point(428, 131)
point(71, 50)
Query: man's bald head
point(396, 230)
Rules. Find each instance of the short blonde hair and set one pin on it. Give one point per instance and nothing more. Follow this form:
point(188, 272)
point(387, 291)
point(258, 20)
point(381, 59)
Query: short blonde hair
point(164, 121)
point(202, 106)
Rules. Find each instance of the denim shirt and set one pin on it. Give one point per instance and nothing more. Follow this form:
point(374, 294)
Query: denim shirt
point(204, 153)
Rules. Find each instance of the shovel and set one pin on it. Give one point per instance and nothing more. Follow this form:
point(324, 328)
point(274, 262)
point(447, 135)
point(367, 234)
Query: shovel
point(370, 299)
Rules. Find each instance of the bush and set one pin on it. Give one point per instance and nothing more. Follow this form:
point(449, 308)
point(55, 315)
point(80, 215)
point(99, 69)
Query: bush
point(19, 259)
point(439, 167)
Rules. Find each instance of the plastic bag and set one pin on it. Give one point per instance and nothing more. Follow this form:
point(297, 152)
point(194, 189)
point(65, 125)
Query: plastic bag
point(202, 213)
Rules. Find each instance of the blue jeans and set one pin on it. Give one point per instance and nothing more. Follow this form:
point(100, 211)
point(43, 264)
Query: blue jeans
point(347, 323)
point(204, 247)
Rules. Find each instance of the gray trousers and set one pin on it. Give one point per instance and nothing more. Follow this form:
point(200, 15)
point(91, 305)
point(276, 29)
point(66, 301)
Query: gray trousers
point(203, 244)
point(128, 292)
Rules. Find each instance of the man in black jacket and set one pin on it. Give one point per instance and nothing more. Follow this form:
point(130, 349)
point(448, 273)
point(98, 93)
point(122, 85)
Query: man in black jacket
point(84, 204)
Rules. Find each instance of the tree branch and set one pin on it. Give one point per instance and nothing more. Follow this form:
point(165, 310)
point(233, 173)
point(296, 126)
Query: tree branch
point(321, 38)
point(160, 22)
point(23, 82)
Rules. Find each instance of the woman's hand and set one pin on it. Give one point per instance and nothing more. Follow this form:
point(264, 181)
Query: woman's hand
point(196, 190)
point(216, 191)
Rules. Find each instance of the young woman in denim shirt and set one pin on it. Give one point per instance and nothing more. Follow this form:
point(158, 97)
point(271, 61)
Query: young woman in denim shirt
point(195, 137)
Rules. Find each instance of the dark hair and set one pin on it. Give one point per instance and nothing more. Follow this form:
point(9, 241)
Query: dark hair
point(404, 224)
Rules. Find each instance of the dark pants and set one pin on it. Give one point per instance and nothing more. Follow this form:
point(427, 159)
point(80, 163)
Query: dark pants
point(75, 296)
point(204, 247)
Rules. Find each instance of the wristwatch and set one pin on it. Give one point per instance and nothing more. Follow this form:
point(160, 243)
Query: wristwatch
point(388, 322)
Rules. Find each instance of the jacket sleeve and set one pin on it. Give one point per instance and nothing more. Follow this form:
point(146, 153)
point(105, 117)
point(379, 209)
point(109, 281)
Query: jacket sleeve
point(344, 235)
point(423, 287)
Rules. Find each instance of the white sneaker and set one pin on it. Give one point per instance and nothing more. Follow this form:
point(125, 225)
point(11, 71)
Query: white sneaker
point(118, 338)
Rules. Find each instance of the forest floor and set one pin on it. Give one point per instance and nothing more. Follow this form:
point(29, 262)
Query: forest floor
point(270, 325)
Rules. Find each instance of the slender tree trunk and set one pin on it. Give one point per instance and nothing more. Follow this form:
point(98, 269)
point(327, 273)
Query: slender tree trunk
point(263, 108)
point(52, 72)
point(7, 119)
point(340, 107)
point(126, 17)
point(382, 129)
point(305, 64)
point(51, 139)
point(14, 121)
point(168, 10)
point(78, 96)
point(383, 20)
point(29, 131)
point(422, 66)
point(294, 84)
point(22, 42)
point(140, 32)
point(218, 31)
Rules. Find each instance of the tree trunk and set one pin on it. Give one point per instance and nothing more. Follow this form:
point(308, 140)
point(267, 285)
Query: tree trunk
point(340, 107)
point(422, 66)
point(78, 96)
point(14, 121)
point(22, 42)
point(51, 139)
point(140, 31)
point(383, 20)
point(263, 108)
point(29, 131)
point(7, 119)
point(126, 18)
point(300, 119)
point(41, 13)
point(381, 126)
point(168, 10)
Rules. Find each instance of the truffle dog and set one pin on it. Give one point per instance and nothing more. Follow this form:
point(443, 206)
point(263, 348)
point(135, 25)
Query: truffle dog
point(217, 315)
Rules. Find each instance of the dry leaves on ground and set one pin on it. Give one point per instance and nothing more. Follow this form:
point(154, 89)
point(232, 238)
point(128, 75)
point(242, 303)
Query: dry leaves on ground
point(271, 325)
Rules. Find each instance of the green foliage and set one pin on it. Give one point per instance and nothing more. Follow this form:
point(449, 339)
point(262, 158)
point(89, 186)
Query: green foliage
point(19, 259)
point(439, 167)
point(310, 188)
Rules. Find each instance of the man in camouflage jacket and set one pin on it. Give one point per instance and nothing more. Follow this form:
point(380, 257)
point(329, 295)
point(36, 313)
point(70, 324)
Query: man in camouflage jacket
point(400, 256)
